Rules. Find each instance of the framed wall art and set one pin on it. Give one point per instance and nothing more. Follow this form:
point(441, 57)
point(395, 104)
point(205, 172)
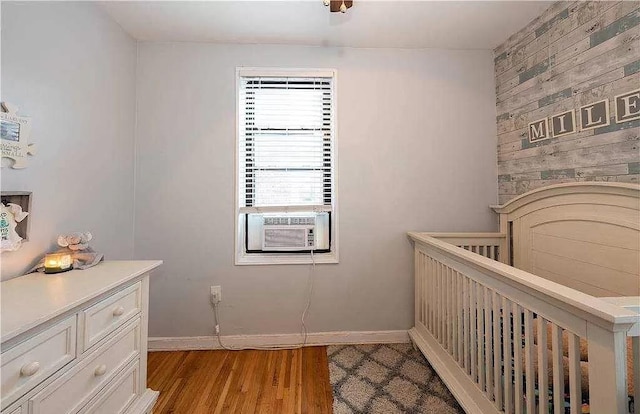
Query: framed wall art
point(14, 134)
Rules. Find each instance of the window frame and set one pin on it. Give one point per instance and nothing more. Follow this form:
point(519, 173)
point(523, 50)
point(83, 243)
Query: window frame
point(242, 257)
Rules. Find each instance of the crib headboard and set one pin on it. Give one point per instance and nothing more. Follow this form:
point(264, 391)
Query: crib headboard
point(582, 235)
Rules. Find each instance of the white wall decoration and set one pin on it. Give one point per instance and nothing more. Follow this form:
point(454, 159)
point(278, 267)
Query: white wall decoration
point(10, 216)
point(14, 131)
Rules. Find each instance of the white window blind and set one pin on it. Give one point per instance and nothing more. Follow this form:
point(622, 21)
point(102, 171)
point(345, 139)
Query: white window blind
point(285, 141)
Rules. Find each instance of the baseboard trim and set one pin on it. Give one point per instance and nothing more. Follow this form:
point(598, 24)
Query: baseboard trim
point(192, 343)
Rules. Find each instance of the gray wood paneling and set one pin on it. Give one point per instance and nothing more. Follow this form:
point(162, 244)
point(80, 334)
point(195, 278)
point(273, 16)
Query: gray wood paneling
point(574, 54)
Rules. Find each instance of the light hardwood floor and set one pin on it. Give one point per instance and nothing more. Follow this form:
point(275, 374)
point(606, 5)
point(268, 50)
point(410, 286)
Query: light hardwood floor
point(276, 382)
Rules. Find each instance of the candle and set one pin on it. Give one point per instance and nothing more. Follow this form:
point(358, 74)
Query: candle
point(57, 262)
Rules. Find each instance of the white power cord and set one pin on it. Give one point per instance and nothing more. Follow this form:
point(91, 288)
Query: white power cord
point(303, 326)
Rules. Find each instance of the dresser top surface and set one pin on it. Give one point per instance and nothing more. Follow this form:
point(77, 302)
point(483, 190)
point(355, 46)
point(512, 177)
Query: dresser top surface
point(29, 300)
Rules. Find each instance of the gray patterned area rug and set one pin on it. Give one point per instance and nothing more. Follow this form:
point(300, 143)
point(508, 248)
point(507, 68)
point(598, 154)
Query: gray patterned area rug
point(386, 379)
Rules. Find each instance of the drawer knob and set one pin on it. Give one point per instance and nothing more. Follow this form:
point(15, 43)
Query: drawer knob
point(29, 369)
point(100, 370)
point(118, 311)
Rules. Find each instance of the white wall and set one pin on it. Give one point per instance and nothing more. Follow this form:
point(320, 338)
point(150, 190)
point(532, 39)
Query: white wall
point(72, 70)
point(416, 151)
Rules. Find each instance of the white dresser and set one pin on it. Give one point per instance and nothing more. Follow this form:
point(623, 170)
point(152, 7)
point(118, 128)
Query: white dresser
point(76, 342)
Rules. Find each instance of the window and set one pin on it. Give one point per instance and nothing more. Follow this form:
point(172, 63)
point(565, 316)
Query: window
point(286, 205)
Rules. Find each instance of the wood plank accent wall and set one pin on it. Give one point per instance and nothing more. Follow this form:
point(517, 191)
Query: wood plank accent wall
point(574, 54)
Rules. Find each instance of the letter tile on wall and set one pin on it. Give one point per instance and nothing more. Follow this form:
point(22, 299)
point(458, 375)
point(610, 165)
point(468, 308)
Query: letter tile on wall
point(578, 66)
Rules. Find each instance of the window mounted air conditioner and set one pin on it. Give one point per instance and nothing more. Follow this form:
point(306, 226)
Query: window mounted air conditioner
point(288, 232)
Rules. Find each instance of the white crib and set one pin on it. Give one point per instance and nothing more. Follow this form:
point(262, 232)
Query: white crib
point(510, 338)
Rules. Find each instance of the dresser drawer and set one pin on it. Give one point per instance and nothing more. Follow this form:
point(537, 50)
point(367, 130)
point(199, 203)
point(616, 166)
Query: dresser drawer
point(118, 394)
point(104, 317)
point(70, 392)
point(32, 361)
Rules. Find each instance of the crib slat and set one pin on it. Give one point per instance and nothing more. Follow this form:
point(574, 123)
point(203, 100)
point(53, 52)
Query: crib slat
point(465, 329)
point(481, 339)
point(450, 318)
point(528, 351)
point(517, 358)
point(443, 306)
point(453, 307)
point(635, 349)
point(459, 313)
point(558, 369)
point(543, 363)
point(427, 292)
point(453, 334)
point(434, 299)
point(473, 326)
point(432, 295)
point(506, 343)
point(488, 343)
point(420, 287)
point(440, 302)
point(419, 264)
point(426, 288)
point(445, 310)
point(575, 389)
point(497, 358)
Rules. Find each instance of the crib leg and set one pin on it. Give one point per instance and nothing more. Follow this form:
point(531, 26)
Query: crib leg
point(607, 370)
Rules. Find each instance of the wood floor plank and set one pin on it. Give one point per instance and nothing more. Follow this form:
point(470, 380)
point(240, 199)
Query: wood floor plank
point(260, 382)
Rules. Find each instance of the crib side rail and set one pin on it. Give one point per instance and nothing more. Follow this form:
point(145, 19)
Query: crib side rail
point(490, 245)
point(514, 335)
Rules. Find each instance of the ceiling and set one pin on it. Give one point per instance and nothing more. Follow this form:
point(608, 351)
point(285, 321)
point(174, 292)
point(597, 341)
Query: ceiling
point(370, 23)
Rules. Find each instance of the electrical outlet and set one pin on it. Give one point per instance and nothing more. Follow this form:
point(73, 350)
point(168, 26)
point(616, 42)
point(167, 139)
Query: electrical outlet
point(216, 294)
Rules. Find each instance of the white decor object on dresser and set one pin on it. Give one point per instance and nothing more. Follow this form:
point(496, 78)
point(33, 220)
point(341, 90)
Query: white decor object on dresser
point(76, 342)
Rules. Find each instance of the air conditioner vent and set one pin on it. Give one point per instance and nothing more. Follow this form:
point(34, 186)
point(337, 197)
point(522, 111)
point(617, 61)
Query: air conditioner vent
point(287, 238)
point(303, 221)
point(289, 221)
point(276, 221)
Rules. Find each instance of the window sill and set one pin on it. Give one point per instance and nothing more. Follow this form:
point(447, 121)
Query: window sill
point(245, 259)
